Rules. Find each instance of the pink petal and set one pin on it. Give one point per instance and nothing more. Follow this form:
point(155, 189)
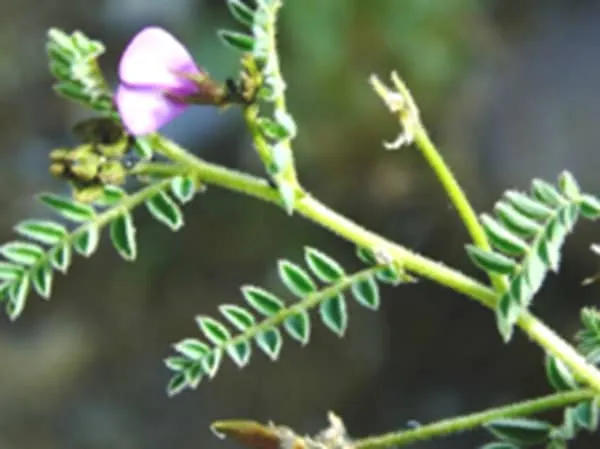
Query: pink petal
point(152, 57)
point(144, 111)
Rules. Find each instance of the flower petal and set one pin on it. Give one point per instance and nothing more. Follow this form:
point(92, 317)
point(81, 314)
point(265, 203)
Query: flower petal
point(144, 111)
point(153, 57)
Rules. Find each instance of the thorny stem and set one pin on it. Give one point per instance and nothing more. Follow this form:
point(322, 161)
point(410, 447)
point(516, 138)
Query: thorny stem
point(472, 421)
point(414, 263)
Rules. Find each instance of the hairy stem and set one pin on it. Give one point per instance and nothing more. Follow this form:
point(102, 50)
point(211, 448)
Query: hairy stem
point(322, 215)
point(276, 78)
point(472, 421)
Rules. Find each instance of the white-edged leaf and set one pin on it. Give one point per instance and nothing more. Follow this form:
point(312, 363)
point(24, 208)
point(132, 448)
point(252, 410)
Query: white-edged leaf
point(270, 342)
point(61, 257)
point(10, 271)
point(261, 300)
point(334, 314)
point(176, 384)
point(239, 317)
point(43, 231)
point(502, 238)
point(192, 348)
point(111, 195)
point(322, 266)
point(211, 362)
point(366, 292)
point(86, 242)
point(213, 330)
point(239, 352)
point(183, 188)
point(165, 210)
point(42, 280)
point(69, 209)
point(17, 297)
point(122, 235)
point(298, 327)
point(22, 253)
point(296, 279)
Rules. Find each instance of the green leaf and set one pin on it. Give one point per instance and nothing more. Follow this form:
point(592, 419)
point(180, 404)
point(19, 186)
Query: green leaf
point(238, 41)
point(559, 375)
point(590, 207)
point(111, 195)
point(261, 300)
point(42, 280)
point(520, 431)
point(272, 130)
point(586, 415)
point(212, 362)
point(546, 193)
point(71, 210)
point(177, 363)
point(61, 257)
point(323, 267)
point(500, 445)
point(515, 221)
point(296, 279)
point(533, 272)
point(240, 353)
point(43, 231)
point(177, 384)
point(86, 242)
point(214, 331)
point(520, 290)
point(287, 195)
point(280, 158)
point(528, 206)
point(239, 317)
point(270, 342)
point(17, 297)
point(391, 275)
point(334, 314)
point(241, 12)
point(122, 235)
point(366, 293)
point(143, 148)
point(71, 91)
point(507, 313)
point(183, 188)
point(502, 238)
point(298, 327)
point(491, 261)
point(10, 271)
point(366, 256)
point(165, 210)
point(285, 120)
point(193, 374)
point(192, 348)
point(568, 186)
point(22, 253)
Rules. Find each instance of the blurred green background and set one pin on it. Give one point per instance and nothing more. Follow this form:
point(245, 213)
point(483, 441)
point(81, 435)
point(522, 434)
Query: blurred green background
point(509, 90)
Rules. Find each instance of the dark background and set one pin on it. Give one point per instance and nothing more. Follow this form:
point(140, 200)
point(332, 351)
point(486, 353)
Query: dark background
point(509, 90)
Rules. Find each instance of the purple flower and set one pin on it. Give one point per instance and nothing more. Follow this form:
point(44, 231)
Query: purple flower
point(150, 68)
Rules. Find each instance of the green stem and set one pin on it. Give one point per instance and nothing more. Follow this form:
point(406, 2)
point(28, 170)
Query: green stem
point(275, 75)
point(417, 264)
point(472, 421)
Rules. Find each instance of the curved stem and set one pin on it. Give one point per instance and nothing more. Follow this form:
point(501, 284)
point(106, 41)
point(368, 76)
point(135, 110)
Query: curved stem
point(415, 263)
point(472, 421)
